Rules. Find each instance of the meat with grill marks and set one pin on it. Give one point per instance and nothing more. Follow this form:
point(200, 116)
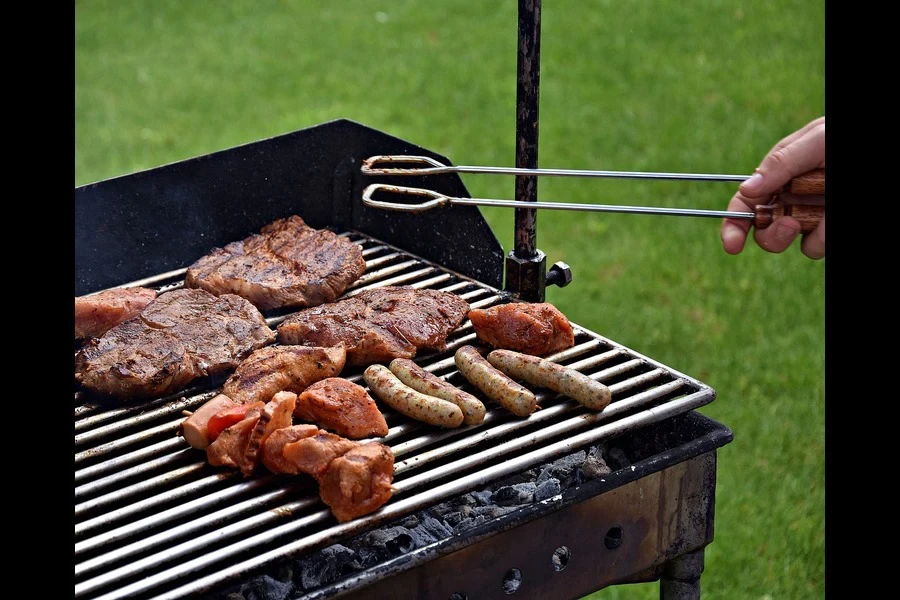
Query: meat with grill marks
point(282, 368)
point(536, 328)
point(288, 264)
point(343, 407)
point(379, 324)
point(181, 336)
point(95, 314)
point(359, 482)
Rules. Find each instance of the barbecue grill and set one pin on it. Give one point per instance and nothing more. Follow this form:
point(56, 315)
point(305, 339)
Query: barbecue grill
point(563, 503)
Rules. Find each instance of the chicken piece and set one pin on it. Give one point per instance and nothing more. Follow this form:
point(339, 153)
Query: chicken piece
point(359, 482)
point(312, 455)
point(228, 416)
point(538, 329)
point(271, 454)
point(282, 368)
point(341, 406)
point(274, 416)
point(228, 449)
point(195, 429)
point(96, 314)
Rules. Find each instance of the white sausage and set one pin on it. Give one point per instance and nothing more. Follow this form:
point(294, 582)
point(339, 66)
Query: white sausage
point(554, 376)
point(495, 384)
point(385, 386)
point(421, 380)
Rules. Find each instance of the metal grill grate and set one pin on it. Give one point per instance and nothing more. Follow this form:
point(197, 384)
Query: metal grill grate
point(154, 520)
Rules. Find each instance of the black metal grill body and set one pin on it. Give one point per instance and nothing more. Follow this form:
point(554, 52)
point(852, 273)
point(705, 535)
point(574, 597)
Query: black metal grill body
point(153, 520)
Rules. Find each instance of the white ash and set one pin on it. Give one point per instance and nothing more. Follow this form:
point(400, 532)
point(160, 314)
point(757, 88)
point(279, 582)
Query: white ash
point(295, 577)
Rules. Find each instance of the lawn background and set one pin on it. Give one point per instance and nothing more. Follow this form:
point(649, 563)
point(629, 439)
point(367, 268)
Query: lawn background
point(663, 85)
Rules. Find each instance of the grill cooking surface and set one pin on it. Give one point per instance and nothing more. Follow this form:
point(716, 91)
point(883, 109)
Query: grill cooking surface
point(154, 520)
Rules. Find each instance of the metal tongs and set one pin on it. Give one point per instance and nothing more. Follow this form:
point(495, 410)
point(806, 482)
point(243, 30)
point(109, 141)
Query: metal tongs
point(807, 184)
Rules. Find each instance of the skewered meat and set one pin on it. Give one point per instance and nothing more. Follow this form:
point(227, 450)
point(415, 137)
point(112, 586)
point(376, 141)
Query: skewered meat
point(272, 452)
point(312, 455)
point(282, 368)
point(359, 482)
point(98, 313)
point(228, 449)
point(274, 416)
point(380, 324)
point(181, 336)
point(343, 407)
point(288, 264)
point(538, 329)
point(195, 429)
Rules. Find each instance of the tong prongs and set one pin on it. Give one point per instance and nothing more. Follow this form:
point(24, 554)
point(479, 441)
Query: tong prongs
point(434, 167)
point(437, 200)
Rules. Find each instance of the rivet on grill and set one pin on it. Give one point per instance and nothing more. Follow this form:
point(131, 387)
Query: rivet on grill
point(613, 538)
point(560, 558)
point(511, 581)
point(458, 596)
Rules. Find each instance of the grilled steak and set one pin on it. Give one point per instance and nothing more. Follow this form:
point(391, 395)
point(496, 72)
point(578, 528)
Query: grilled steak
point(342, 407)
point(380, 324)
point(538, 329)
point(180, 336)
point(282, 368)
point(288, 264)
point(98, 313)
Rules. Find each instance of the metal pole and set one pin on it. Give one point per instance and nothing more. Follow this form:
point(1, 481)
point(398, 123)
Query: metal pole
point(527, 95)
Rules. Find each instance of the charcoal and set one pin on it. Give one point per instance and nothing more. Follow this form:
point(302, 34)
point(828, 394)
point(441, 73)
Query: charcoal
point(566, 469)
point(266, 588)
point(617, 459)
point(436, 528)
point(514, 495)
point(594, 465)
point(390, 542)
point(421, 536)
point(547, 489)
point(483, 497)
point(471, 522)
point(410, 522)
point(325, 566)
point(493, 511)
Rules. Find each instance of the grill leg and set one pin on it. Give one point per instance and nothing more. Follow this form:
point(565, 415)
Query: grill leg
point(681, 577)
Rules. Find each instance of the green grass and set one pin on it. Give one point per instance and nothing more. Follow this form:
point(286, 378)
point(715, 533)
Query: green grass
point(703, 86)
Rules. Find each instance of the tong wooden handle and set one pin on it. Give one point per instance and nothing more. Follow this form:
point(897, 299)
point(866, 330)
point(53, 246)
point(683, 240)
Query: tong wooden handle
point(809, 215)
point(811, 183)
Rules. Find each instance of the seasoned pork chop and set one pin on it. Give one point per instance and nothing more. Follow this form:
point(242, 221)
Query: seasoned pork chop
point(98, 313)
point(282, 368)
point(380, 324)
point(538, 329)
point(343, 407)
point(181, 336)
point(359, 482)
point(288, 264)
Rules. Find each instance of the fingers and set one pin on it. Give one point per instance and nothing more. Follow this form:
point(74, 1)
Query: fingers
point(796, 154)
point(778, 236)
point(734, 231)
point(813, 244)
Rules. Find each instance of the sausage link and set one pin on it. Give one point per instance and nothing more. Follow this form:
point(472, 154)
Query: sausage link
point(405, 400)
point(494, 383)
point(548, 374)
point(421, 380)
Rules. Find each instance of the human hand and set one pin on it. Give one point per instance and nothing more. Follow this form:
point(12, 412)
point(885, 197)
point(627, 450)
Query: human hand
point(802, 151)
